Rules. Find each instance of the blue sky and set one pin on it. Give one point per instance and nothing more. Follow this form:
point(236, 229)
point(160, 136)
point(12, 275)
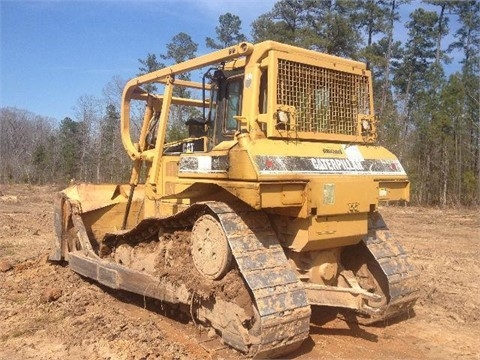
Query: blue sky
point(53, 52)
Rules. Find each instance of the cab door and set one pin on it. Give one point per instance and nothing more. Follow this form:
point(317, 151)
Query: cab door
point(229, 103)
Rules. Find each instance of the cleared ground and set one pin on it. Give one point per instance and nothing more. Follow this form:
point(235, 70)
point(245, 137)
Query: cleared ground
point(49, 312)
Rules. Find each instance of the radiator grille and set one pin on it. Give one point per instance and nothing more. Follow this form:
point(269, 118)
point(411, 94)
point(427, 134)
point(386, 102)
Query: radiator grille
point(326, 101)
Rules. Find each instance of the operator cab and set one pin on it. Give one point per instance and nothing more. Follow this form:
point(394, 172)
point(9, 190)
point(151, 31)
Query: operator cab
point(225, 104)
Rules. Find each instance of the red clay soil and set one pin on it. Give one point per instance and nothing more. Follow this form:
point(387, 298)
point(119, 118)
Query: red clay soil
point(49, 312)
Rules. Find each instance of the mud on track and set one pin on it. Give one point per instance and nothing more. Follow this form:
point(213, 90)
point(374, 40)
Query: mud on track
point(49, 312)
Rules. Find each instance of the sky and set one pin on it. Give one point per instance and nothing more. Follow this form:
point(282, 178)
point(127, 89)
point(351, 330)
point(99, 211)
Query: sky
point(53, 52)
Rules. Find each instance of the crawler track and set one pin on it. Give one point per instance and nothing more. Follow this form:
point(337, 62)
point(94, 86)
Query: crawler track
point(280, 298)
point(282, 313)
point(400, 275)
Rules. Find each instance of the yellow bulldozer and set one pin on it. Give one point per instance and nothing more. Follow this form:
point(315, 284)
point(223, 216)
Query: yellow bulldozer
point(268, 207)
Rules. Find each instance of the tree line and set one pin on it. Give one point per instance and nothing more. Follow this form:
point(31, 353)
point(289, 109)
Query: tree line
point(428, 116)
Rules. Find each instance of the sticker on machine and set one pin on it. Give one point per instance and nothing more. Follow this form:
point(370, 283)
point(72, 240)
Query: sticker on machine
point(353, 153)
point(277, 165)
point(203, 164)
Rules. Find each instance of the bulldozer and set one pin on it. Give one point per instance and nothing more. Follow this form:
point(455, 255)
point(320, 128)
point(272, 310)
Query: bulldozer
point(266, 207)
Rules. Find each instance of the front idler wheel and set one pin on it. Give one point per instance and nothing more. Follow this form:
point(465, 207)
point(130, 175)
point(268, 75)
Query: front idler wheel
point(210, 249)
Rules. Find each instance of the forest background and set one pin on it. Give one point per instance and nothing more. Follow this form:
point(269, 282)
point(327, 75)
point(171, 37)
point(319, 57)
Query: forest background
point(429, 116)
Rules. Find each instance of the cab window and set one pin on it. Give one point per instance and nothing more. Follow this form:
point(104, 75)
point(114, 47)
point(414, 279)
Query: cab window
point(233, 105)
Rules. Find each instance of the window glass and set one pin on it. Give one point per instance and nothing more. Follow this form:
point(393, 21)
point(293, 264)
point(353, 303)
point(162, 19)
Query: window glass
point(212, 114)
point(262, 102)
point(234, 103)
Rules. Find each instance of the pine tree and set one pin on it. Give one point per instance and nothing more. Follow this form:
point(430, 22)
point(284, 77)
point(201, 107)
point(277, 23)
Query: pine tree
point(108, 166)
point(391, 54)
point(70, 146)
point(335, 30)
point(467, 40)
point(418, 56)
point(324, 25)
point(228, 32)
point(286, 23)
point(179, 49)
point(148, 65)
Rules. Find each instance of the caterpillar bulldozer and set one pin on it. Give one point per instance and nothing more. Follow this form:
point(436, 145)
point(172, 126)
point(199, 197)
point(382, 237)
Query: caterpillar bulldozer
point(267, 208)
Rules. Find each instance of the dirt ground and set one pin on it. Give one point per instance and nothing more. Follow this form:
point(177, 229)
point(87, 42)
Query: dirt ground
point(49, 312)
